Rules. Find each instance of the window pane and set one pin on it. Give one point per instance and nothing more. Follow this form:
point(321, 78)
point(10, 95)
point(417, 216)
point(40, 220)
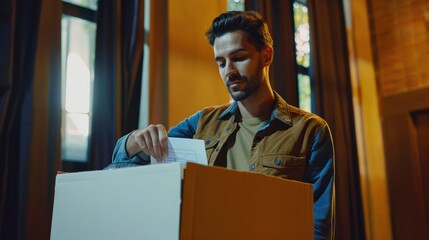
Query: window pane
point(91, 4)
point(78, 79)
point(235, 5)
point(78, 41)
point(302, 34)
point(304, 92)
point(75, 141)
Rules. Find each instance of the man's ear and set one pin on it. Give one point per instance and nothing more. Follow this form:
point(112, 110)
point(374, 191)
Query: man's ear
point(267, 55)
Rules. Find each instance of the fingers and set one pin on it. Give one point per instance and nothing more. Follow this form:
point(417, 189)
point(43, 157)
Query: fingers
point(153, 141)
point(163, 140)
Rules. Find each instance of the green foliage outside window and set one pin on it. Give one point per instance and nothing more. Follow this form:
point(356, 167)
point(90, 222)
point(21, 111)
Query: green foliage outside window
point(302, 34)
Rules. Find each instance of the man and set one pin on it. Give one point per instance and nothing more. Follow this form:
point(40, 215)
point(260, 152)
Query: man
point(259, 131)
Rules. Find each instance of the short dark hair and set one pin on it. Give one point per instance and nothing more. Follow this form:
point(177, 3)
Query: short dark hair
point(248, 21)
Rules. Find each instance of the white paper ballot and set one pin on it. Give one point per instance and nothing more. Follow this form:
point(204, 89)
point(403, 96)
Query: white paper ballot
point(184, 150)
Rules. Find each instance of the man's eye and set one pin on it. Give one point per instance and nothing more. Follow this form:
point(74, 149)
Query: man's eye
point(221, 64)
point(240, 58)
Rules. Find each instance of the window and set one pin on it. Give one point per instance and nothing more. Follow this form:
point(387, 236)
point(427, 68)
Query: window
point(235, 5)
point(302, 47)
point(78, 50)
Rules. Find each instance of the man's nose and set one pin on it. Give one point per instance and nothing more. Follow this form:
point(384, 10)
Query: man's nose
point(230, 69)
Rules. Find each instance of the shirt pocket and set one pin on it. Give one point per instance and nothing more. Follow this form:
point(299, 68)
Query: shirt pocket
point(210, 145)
point(283, 165)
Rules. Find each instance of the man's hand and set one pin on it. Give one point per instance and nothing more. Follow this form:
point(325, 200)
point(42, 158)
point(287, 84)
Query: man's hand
point(152, 140)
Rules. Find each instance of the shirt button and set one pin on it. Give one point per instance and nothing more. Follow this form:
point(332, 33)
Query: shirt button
point(277, 162)
point(207, 142)
point(252, 167)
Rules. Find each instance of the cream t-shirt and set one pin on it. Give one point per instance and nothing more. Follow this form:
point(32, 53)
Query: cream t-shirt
point(239, 154)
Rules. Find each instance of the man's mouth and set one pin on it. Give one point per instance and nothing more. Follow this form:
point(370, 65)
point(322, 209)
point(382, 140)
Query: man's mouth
point(234, 82)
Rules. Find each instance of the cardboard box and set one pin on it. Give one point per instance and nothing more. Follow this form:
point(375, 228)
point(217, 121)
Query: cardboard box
point(223, 204)
point(144, 203)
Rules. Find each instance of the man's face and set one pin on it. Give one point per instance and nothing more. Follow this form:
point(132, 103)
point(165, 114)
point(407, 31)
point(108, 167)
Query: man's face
point(240, 64)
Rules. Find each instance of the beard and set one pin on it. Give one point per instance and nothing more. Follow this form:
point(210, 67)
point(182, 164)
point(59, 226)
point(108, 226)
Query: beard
point(239, 95)
point(252, 84)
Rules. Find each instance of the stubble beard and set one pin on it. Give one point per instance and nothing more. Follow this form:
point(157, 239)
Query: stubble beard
point(252, 85)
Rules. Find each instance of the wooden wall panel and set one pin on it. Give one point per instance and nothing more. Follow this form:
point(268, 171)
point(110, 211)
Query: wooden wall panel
point(399, 56)
point(405, 118)
point(389, 43)
point(401, 41)
point(407, 208)
point(193, 78)
point(421, 121)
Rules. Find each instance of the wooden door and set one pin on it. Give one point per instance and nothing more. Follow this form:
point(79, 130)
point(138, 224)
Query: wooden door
point(405, 123)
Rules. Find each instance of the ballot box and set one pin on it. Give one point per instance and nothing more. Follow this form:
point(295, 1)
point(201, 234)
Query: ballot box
point(162, 202)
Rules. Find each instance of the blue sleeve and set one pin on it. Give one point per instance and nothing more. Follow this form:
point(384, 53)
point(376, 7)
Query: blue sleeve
point(320, 172)
point(186, 128)
point(120, 158)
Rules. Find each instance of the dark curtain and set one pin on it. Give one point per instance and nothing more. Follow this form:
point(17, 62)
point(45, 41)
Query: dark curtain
point(118, 74)
point(334, 102)
point(283, 74)
point(30, 114)
point(332, 86)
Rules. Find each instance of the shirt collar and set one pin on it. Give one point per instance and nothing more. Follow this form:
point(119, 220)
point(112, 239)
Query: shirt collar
point(231, 110)
point(280, 111)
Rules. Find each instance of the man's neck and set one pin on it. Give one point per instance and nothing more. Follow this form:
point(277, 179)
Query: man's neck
point(259, 104)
